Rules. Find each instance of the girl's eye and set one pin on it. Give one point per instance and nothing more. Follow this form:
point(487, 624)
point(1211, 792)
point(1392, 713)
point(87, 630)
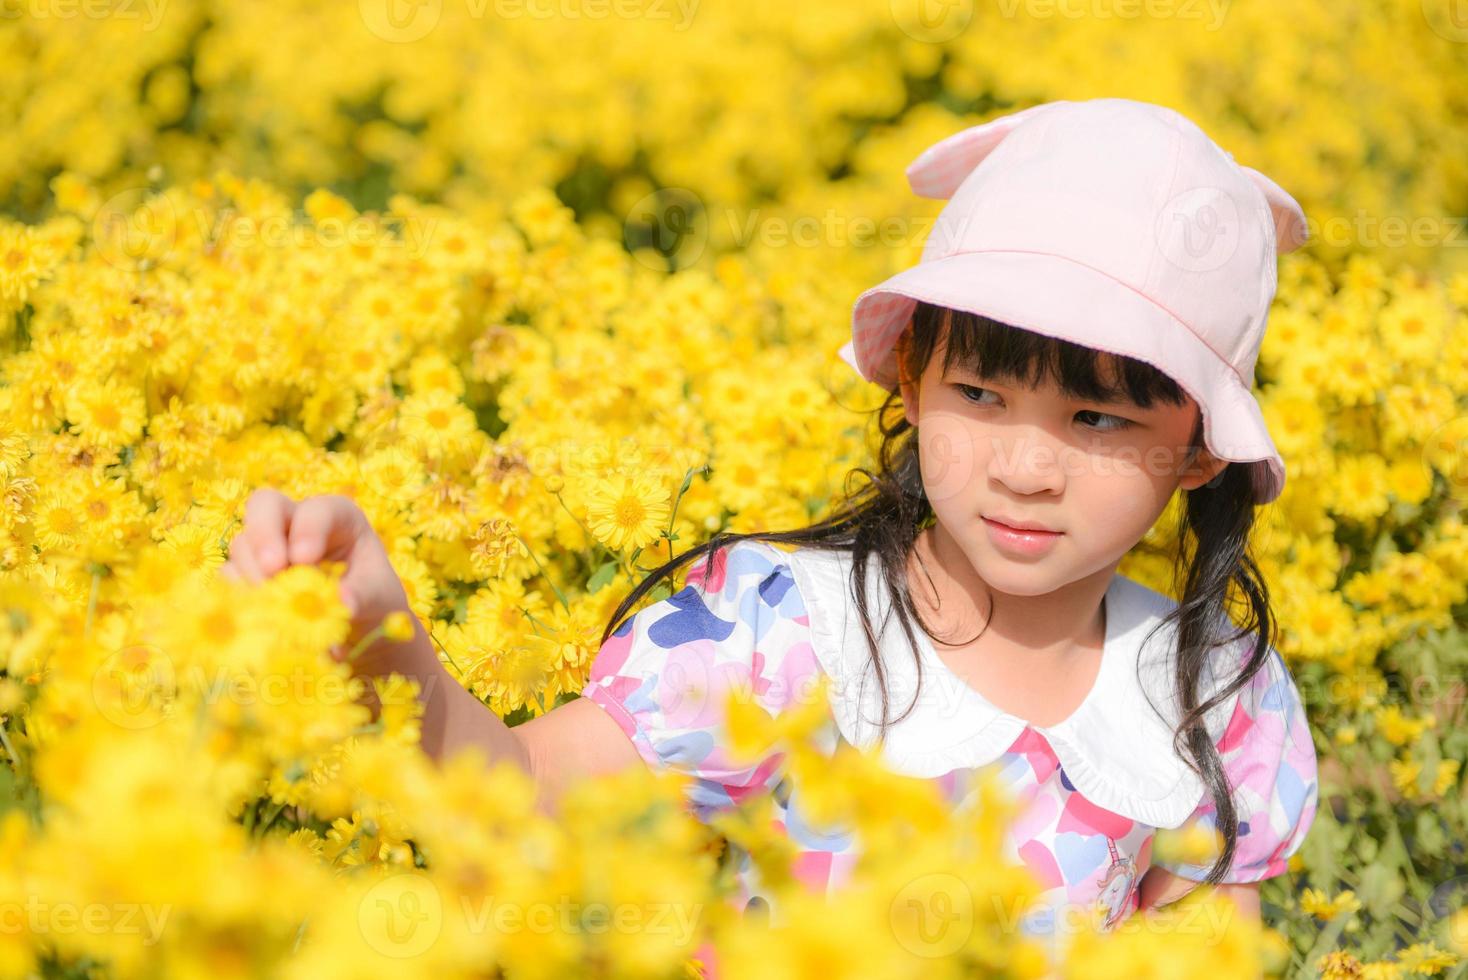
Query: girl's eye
point(965, 389)
point(1117, 422)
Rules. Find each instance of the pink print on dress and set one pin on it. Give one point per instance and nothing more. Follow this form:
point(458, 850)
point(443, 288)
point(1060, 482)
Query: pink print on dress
point(715, 580)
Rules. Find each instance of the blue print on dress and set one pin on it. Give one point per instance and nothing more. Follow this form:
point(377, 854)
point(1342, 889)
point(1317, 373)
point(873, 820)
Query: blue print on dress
point(1079, 855)
point(742, 561)
point(1065, 780)
point(689, 747)
point(691, 620)
point(1291, 792)
point(772, 590)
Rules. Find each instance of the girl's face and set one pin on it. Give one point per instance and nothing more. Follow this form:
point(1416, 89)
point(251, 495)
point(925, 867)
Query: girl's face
point(1098, 475)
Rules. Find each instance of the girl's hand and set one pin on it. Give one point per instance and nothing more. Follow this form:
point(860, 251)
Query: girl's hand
point(279, 532)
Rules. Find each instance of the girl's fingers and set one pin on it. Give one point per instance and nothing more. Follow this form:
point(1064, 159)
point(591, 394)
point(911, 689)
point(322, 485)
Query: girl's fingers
point(269, 553)
point(324, 526)
point(241, 554)
point(310, 527)
point(267, 522)
point(348, 597)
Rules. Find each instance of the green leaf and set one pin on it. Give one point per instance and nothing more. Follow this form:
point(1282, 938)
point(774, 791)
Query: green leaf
point(1384, 548)
point(269, 817)
point(1430, 838)
point(1381, 887)
point(602, 578)
point(15, 792)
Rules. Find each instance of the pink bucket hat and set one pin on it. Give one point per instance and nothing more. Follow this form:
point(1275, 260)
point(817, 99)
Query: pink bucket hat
point(1110, 223)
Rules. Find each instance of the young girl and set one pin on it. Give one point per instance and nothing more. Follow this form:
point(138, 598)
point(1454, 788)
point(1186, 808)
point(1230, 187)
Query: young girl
point(1074, 348)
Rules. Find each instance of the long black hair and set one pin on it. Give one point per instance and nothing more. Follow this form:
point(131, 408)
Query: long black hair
point(882, 517)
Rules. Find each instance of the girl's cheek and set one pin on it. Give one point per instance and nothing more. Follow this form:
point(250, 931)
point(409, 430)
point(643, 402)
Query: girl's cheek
point(949, 450)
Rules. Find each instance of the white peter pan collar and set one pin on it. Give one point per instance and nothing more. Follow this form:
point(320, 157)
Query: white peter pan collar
point(1116, 749)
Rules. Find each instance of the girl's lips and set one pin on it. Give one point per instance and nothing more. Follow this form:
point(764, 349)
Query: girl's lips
point(1024, 543)
point(1019, 527)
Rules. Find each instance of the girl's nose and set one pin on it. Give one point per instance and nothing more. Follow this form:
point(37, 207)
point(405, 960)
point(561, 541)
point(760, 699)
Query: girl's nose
point(1027, 461)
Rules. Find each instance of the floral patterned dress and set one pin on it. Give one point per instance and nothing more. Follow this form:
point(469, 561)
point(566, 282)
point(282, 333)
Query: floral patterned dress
point(1094, 789)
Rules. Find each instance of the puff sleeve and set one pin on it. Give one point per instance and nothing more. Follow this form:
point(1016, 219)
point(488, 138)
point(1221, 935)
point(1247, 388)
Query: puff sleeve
point(665, 673)
point(1269, 757)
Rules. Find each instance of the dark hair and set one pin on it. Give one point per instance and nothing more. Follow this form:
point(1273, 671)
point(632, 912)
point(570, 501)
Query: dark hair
point(883, 517)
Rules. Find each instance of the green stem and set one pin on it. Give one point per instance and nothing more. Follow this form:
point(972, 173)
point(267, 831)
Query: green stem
point(626, 569)
point(1326, 941)
point(589, 536)
point(266, 821)
point(544, 574)
point(9, 749)
point(365, 642)
point(682, 489)
point(534, 621)
point(445, 650)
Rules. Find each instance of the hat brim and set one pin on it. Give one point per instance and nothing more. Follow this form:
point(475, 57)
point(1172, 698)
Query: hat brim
point(1057, 297)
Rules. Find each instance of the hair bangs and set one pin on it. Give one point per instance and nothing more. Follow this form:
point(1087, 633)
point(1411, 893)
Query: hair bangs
point(995, 350)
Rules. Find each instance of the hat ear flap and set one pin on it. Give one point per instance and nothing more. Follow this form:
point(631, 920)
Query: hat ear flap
point(1290, 230)
point(938, 170)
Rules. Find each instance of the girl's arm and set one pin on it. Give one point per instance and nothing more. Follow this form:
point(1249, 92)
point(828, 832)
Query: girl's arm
point(572, 740)
point(1246, 897)
point(568, 742)
point(1161, 887)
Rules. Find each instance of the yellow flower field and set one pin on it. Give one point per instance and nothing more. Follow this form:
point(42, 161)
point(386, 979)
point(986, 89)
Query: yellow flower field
point(553, 297)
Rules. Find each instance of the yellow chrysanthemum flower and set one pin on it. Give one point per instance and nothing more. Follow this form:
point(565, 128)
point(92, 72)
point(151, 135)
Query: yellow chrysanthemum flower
point(1339, 966)
point(1447, 777)
point(1405, 774)
point(627, 512)
point(1426, 959)
point(1412, 327)
point(1396, 728)
point(1192, 844)
point(1316, 903)
point(108, 414)
point(1360, 488)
